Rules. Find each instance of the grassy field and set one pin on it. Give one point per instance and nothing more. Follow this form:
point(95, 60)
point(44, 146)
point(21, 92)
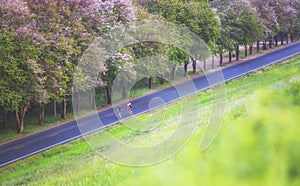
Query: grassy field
point(259, 142)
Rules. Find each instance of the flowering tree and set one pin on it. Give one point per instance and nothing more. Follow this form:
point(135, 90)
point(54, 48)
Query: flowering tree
point(286, 16)
point(41, 42)
point(69, 29)
point(17, 81)
point(17, 48)
point(296, 26)
point(195, 15)
point(115, 64)
point(240, 24)
point(267, 14)
point(112, 13)
point(268, 17)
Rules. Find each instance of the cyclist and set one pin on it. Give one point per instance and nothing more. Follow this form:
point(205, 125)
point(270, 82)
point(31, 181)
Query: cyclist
point(129, 109)
point(119, 111)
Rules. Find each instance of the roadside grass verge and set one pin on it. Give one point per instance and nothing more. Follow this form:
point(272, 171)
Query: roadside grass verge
point(258, 144)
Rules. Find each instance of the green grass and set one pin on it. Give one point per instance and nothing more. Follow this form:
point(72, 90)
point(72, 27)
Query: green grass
point(257, 145)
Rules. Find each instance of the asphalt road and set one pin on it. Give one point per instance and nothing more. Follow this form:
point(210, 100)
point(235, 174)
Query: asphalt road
point(35, 143)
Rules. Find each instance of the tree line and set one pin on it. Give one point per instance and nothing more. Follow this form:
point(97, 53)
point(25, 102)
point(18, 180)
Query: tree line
point(41, 42)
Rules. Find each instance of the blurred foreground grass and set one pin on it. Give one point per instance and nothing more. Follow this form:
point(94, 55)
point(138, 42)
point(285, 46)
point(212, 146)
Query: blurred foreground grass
point(259, 143)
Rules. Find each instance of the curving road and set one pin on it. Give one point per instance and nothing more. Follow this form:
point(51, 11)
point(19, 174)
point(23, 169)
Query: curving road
point(35, 143)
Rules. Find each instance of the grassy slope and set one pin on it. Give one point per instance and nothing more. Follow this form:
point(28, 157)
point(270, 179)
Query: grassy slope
point(258, 144)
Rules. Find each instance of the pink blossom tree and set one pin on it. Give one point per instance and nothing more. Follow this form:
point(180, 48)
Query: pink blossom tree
point(51, 36)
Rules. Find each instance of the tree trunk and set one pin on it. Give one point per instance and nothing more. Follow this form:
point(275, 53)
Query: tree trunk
point(63, 109)
point(20, 122)
point(270, 43)
point(161, 79)
point(194, 65)
point(281, 38)
point(185, 68)
point(174, 72)
point(124, 93)
point(41, 113)
point(92, 102)
point(213, 61)
point(257, 46)
point(230, 56)
point(246, 50)
point(221, 59)
point(5, 119)
point(204, 67)
point(54, 108)
point(20, 115)
point(108, 94)
point(237, 52)
point(150, 82)
point(264, 45)
point(276, 41)
point(77, 94)
point(251, 49)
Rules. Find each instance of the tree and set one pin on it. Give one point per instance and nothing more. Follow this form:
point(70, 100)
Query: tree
point(56, 34)
point(112, 67)
point(69, 27)
point(268, 18)
point(195, 15)
point(296, 26)
point(59, 22)
point(240, 24)
point(18, 82)
point(286, 16)
point(178, 57)
point(41, 93)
